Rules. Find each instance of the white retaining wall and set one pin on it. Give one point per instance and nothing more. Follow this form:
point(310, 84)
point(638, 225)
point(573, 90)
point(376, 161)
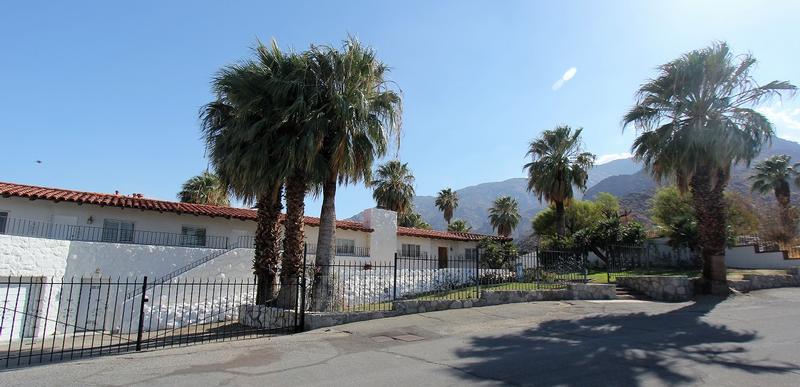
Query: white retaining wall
point(39, 257)
point(370, 286)
point(745, 257)
point(38, 262)
point(166, 311)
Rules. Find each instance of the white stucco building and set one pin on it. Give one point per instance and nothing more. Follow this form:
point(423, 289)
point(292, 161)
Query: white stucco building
point(60, 232)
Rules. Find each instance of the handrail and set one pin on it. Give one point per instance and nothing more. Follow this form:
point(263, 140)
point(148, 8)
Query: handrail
point(49, 230)
point(183, 269)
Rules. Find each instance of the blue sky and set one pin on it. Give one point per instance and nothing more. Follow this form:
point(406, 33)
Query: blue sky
point(106, 94)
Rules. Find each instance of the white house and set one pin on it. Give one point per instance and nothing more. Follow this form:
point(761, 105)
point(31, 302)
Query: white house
point(48, 233)
point(60, 232)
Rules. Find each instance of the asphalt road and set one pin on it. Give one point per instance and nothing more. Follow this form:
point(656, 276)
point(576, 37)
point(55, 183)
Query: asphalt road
point(745, 340)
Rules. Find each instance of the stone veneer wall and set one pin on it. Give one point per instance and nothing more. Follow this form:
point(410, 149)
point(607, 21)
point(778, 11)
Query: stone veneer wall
point(680, 288)
point(659, 287)
point(251, 316)
point(766, 281)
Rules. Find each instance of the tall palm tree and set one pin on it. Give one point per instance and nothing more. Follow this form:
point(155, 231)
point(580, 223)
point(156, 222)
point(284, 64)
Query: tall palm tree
point(394, 186)
point(447, 202)
point(504, 215)
point(694, 121)
point(297, 140)
point(775, 175)
point(459, 225)
point(205, 188)
point(246, 127)
point(237, 166)
point(411, 218)
point(558, 164)
point(359, 115)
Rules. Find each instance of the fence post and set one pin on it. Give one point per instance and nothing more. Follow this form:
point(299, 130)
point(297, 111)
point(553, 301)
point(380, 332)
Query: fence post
point(302, 324)
point(141, 315)
point(585, 265)
point(537, 274)
point(477, 273)
point(394, 281)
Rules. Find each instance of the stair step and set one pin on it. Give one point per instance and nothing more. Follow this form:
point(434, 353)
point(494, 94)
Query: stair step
point(629, 294)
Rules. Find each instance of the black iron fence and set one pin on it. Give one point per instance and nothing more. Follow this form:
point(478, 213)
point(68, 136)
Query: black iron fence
point(38, 229)
point(45, 320)
point(622, 260)
point(373, 286)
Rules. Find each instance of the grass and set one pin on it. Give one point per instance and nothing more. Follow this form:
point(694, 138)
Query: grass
point(376, 307)
point(601, 276)
point(467, 293)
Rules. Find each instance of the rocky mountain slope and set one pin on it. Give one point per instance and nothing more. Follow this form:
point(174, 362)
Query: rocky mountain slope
point(636, 189)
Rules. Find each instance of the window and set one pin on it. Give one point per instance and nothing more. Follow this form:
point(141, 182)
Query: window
point(470, 253)
point(193, 236)
point(3, 221)
point(408, 250)
point(345, 247)
point(117, 231)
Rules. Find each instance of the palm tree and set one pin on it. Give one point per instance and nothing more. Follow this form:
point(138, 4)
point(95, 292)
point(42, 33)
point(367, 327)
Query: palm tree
point(205, 188)
point(359, 113)
point(447, 202)
point(411, 218)
point(504, 215)
point(246, 130)
point(394, 186)
point(558, 164)
point(459, 225)
point(296, 143)
point(694, 121)
point(774, 175)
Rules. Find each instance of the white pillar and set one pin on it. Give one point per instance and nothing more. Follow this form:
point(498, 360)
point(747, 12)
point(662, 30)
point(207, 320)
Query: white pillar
point(383, 238)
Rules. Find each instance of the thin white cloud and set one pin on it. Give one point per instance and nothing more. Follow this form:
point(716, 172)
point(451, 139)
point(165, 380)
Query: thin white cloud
point(602, 159)
point(786, 120)
point(569, 74)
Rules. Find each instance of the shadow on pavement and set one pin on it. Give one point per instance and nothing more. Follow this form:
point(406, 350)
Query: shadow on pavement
point(615, 350)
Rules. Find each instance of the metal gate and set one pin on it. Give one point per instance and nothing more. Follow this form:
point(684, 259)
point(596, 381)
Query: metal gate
point(45, 320)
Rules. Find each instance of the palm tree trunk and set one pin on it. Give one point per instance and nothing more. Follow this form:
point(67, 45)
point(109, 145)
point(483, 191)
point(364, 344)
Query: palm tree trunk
point(293, 241)
point(321, 297)
point(783, 195)
point(561, 229)
point(709, 206)
point(267, 240)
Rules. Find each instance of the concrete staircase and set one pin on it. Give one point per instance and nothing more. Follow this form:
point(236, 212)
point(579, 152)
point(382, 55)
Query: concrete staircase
point(624, 293)
point(181, 270)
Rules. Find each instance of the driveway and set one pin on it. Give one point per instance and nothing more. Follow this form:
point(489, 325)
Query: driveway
point(748, 339)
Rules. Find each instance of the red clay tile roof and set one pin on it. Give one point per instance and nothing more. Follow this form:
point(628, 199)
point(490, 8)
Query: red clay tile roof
point(138, 202)
point(113, 200)
point(436, 234)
